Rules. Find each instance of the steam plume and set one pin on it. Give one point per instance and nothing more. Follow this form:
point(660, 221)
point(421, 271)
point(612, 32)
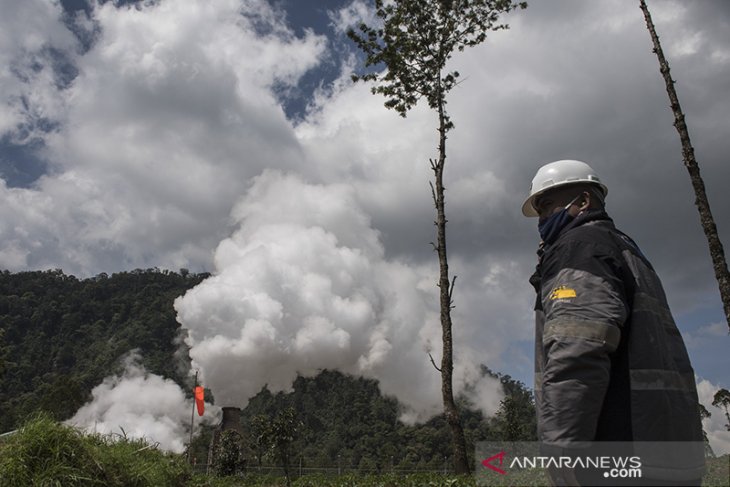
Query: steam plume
point(140, 405)
point(303, 285)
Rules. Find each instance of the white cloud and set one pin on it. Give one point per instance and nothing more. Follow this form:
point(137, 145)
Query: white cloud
point(352, 15)
point(28, 30)
point(171, 114)
point(717, 329)
point(705, 336)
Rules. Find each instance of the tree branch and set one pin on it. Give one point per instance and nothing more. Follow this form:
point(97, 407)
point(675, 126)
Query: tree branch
point(433, 193)
point(433, 362)
point(451, 291)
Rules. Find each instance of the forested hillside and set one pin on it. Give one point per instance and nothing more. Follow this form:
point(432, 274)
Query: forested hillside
point(61, 336)
point(346, 422)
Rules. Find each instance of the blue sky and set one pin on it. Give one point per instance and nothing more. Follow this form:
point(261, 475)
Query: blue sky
point(194, 134)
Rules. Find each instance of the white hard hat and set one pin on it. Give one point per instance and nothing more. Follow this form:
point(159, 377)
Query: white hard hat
point(556, 174)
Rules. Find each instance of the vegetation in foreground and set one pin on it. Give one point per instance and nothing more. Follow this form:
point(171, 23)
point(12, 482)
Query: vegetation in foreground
point(46, 453)
point(347, 480)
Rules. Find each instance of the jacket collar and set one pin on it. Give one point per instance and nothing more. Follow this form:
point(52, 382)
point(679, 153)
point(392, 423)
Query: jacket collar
point(589, 216)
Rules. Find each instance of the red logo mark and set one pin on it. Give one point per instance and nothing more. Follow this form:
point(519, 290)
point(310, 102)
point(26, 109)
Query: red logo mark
point(488, 463)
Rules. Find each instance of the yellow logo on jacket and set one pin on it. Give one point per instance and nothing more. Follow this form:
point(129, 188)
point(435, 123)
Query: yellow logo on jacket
point(562, 292)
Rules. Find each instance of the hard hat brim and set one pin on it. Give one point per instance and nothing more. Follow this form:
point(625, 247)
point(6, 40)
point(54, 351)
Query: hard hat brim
point(527, 208)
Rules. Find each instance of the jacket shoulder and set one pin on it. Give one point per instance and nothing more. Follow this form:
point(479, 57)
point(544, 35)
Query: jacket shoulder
point(598, 231)
point(593, 238)
point(594, 247)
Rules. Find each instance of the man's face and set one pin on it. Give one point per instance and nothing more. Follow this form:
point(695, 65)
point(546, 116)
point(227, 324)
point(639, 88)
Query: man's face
point(555, 200)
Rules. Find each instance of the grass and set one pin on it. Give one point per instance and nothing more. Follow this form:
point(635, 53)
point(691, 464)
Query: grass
point(46, 453)
point(346, 480)
point(718, 472)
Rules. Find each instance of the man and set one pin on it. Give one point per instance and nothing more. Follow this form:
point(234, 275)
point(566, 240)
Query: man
point(610, 364)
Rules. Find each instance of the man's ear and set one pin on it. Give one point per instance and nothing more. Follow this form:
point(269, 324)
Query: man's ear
point(585, 202)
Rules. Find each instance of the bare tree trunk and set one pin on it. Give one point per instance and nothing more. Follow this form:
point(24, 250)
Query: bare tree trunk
point(461, 464)
point(703, 206)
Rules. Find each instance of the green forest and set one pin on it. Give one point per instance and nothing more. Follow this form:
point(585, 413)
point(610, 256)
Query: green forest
point(61, 336)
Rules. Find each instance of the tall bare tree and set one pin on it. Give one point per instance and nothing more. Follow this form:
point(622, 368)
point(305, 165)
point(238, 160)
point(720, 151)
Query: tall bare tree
point(414, 43)
point(688, 154)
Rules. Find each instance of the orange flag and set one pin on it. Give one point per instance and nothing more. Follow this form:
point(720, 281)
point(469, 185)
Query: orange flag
point(200, 400)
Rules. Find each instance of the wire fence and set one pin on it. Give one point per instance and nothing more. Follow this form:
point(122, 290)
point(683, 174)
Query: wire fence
point(331, 470)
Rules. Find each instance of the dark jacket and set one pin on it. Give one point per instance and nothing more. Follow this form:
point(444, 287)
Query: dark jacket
point(610, 363)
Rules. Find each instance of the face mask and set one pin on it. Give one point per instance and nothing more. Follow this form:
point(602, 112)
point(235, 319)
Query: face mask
point(551, 226)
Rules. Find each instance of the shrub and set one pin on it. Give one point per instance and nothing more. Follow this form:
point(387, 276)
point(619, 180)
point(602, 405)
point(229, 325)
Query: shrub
point(229, 456)
point(44, 452)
